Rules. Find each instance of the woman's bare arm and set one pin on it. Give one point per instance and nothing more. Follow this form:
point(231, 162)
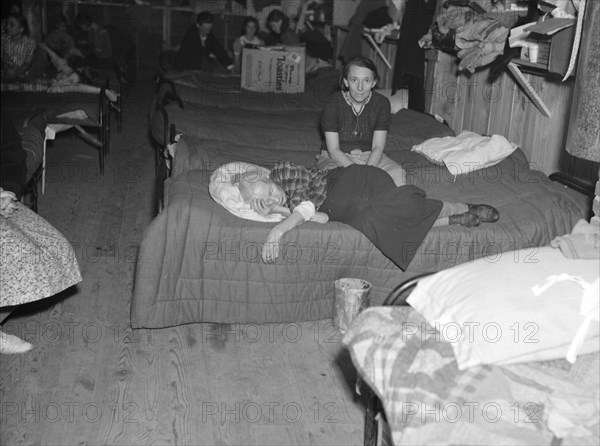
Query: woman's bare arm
point(270, 251)
point(379, 140)
point(332, 140)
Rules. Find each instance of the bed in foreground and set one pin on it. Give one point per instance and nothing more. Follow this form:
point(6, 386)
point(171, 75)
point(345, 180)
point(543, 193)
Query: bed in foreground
point(198, 263)
point(488, 353)
point(428, 400)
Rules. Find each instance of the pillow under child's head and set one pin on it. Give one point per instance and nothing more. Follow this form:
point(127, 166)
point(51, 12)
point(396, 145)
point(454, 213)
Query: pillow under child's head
point(232, 185)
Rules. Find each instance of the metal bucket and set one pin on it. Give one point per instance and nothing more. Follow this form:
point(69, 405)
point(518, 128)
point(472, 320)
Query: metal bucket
point(351, 297)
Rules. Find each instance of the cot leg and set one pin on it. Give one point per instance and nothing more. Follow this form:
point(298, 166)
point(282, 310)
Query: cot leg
point(101, 149)
point(370, 437)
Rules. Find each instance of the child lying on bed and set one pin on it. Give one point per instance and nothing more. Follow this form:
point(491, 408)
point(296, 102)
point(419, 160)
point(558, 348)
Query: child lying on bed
point(395, 219)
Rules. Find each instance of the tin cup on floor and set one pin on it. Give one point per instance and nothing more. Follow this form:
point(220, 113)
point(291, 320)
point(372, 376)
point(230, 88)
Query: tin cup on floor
point(351, 297)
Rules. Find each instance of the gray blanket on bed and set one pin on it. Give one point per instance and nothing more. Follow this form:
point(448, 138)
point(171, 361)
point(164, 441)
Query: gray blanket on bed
point(198, 263)
point(291, 130)
point(224, 91)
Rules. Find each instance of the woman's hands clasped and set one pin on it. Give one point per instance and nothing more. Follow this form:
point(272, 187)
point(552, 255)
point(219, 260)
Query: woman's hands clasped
point(7, 203)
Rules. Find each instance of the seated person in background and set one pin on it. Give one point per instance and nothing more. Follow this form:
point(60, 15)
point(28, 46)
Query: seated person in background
point(248, 38)
point(280, 31)
point(198, 44)
point(394, 219)
point(37, 262)
point(17, 48)
point(13, 167)
point(97, 49)
point(60, 41)
point(356, 121)
point(318, 51)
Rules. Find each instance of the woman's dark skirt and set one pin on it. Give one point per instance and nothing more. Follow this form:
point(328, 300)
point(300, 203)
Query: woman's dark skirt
point(395, 219)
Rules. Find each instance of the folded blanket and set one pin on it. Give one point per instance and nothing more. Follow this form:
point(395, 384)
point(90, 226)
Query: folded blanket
point(582, 243)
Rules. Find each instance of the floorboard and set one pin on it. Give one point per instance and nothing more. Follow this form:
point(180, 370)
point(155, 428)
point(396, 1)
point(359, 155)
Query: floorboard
point(91, 379)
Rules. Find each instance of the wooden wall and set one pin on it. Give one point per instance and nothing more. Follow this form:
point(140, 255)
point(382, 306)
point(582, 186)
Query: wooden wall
point(470, 102)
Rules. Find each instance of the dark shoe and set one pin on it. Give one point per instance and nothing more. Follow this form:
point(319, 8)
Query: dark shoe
point(485, 212)
point(465, 219)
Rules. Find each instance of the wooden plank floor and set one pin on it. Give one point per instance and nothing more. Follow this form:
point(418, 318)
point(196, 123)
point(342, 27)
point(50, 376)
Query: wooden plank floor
point(91, 379)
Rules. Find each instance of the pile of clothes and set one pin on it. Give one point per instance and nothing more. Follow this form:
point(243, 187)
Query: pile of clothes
point(476, 30)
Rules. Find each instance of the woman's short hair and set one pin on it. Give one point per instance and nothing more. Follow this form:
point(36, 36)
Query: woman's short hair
point(360, 61)
point(247, 20)
point(21, 20)
point(204, 17)
point(277, 15)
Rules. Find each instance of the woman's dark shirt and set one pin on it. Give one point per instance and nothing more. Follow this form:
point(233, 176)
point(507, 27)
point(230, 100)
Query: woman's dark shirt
point(338, 117)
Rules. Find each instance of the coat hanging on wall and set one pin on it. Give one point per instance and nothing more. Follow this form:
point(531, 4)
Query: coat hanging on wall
point(583, 140)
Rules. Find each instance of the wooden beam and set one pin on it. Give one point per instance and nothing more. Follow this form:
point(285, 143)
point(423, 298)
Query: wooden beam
point(528, 89)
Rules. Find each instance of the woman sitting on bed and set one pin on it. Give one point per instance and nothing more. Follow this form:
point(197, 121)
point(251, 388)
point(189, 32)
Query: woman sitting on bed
point(17, 48)
point(395, 219)
point(356, 121)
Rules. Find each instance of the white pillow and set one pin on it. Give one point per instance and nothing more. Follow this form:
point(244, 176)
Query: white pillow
point(398, 101)
point(223, 190)
point(466, 152)
point(489, 312)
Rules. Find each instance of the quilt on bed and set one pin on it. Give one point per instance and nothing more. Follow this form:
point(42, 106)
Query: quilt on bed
point(427, 400)
point(198, 263)
point(291, 130)
point(224, 91)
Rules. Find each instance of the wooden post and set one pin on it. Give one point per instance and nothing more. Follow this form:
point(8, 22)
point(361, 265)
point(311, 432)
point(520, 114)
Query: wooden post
point(167, 23)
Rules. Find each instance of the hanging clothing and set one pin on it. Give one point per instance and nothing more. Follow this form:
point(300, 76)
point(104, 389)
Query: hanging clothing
point(409, 68)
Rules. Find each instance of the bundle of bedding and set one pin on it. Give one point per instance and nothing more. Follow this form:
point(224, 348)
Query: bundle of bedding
point(199, 263)
point(428, 399)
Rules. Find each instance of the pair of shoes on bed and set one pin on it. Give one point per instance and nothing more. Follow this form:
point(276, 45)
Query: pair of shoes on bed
point(10, 344)
point(477, 213)
point(485, 212)
point(465, 219)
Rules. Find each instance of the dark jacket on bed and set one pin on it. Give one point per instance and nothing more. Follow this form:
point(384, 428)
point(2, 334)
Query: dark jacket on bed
point(192, 55)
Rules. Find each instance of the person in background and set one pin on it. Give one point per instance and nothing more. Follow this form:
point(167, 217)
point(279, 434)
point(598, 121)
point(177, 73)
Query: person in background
point(37, 262)
point(97, 49)
point(356, 121)
point(60, 40)
point(318, 51)
point(18, 48)
point(248, 38)
point(199, 44)
point(280, 31)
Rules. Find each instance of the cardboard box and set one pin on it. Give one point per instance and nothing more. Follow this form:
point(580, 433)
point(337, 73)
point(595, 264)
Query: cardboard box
point(274, 69)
